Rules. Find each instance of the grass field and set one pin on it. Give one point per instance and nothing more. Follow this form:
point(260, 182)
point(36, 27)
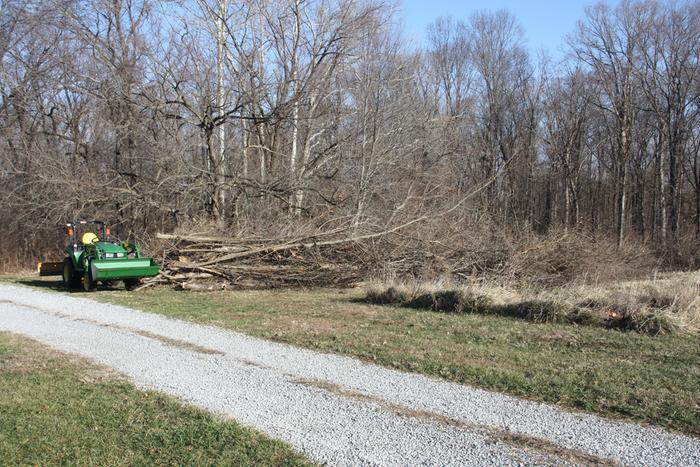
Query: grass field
point(57, 409)
point(620, 374)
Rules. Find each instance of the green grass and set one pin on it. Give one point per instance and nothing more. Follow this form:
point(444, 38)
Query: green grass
point(60, 410)
point(605, 371)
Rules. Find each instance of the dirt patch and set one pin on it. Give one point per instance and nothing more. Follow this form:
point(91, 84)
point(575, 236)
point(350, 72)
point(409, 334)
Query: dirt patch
point(493, 434)
point(253, 364)
point(175, 342)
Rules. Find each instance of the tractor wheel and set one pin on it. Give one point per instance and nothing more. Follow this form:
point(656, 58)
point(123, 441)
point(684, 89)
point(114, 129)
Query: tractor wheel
point(70, 278)
point(131, 284)
point(89, 284)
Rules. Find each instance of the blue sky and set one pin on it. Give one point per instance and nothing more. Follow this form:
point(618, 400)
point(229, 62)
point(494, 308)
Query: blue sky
point(544, 22)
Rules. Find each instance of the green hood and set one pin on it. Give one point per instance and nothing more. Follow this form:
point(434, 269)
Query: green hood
point(106, 247)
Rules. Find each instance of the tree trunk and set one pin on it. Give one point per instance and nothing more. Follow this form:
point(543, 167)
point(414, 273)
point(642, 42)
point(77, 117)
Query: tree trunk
point(621, 205)
point(673, 200)
point(220, 162)
point(697, 203)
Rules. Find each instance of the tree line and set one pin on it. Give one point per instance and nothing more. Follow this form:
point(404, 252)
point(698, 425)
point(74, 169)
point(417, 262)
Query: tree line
point(256, 117)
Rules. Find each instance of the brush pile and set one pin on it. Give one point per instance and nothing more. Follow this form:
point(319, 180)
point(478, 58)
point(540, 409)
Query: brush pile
point(198, 262)
point(335, 259)
point(323, 260)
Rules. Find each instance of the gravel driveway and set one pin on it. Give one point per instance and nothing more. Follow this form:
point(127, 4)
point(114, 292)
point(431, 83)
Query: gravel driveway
point(336, 410)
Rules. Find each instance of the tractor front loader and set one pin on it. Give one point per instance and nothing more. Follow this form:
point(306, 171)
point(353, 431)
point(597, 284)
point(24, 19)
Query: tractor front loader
point(92, 257)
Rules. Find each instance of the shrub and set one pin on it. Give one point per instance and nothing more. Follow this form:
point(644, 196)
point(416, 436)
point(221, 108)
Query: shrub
point(450, 301)
point(559, 258)
point(424, 301)
point(473, 303)
point(447, 301)
point(651, 322)
point(585, 317)
point(389, 296)
point(537, 311)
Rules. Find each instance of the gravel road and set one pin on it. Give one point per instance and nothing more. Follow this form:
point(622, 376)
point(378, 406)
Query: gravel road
point(335, 410)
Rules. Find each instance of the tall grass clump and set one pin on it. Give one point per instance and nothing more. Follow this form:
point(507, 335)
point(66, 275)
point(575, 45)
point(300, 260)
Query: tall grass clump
point(661, 305)
point(428, 297)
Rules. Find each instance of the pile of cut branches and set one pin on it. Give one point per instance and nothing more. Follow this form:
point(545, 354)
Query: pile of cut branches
point(324, 260)
point(199, 262)
point(335, 258)
point(330, 258)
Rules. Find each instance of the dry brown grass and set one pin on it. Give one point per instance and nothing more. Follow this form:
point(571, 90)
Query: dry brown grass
point(658, 305)
point(672, 296)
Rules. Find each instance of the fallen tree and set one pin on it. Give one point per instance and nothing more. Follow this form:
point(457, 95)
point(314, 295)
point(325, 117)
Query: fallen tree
point(198, 261)
point(321, 259)
point(190, 261)
point(342, 256)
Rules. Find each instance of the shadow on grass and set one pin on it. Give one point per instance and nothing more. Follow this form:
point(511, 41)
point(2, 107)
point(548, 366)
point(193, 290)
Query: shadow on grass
point(652, 323)
point(57, 285)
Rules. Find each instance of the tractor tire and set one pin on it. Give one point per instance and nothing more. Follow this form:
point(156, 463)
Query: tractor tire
point(70, 278)
point(89, 284)
point(131, 284)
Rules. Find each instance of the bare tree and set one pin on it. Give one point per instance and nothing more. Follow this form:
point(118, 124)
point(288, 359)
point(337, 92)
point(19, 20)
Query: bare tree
point(670, 73)
point(566, 118)
point(608, 41)
point(265, 116)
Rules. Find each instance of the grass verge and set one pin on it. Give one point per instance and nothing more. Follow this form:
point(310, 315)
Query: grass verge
point(60, 410)
point(620, 374)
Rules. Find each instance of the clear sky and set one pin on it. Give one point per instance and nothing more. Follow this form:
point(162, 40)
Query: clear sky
point(544, 22)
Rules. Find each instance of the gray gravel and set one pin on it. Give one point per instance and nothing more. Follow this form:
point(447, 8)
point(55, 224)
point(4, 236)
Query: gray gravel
point(336, 410)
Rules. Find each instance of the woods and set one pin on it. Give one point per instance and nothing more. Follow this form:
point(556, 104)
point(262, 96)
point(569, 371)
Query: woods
point(290, 119)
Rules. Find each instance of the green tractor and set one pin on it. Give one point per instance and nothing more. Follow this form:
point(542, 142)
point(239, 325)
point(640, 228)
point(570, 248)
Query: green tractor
point(93, 257)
